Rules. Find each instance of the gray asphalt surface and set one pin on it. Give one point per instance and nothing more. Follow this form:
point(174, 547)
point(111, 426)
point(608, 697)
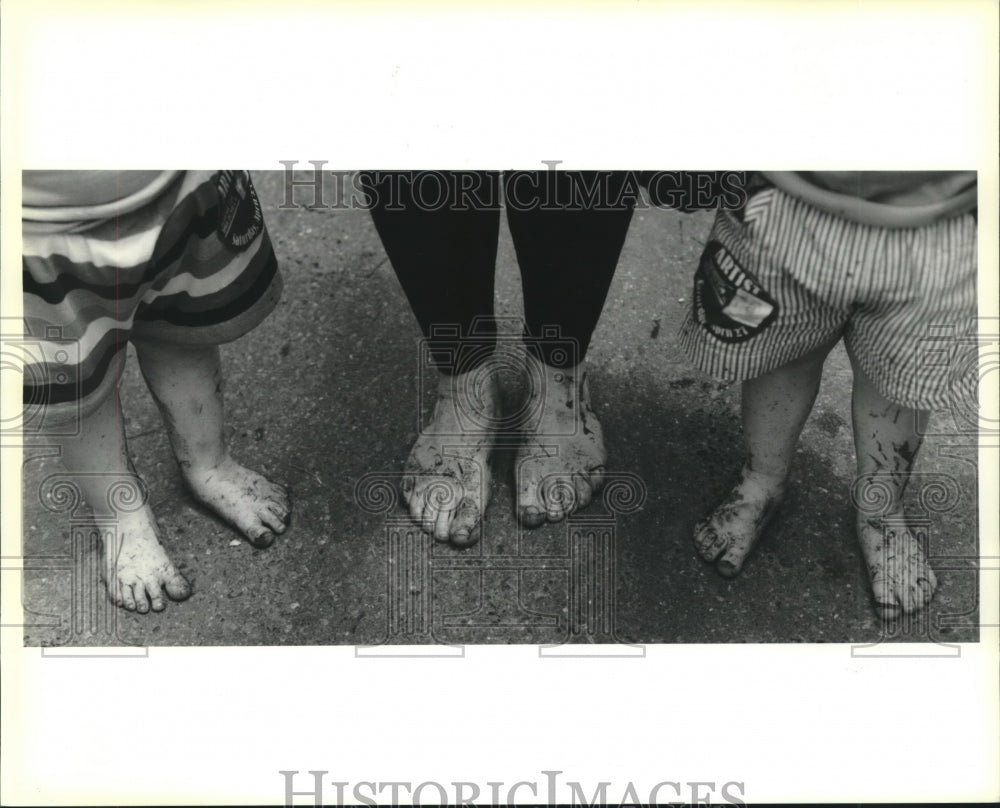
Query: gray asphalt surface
point(325, 394)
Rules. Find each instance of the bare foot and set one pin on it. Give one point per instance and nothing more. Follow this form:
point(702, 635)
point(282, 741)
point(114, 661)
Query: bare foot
point(446, 481)
point(251, 503)
point(729, 533)
point(901, 578)
point(137, 573)
point(560, 465)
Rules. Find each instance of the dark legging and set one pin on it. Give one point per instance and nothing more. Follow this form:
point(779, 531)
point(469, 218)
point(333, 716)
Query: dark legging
point(440, 232)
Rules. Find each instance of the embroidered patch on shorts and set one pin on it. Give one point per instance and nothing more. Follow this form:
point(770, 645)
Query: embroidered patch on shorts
point(240, 217)
point(729, 303)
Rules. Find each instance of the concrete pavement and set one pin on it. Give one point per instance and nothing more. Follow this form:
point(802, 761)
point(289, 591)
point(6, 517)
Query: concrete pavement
point(324, 395)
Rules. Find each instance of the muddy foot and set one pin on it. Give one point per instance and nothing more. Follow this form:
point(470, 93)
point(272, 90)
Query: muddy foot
point(560, 465)
point(137, 572)
point(256, 507)
point(729, 533)
point(901, 578)
point(446, 482)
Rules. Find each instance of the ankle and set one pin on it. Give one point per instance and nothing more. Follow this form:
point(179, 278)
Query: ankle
point(890, 519)
point(472, 383)
point(774, 481)
point(557, 384)
point(200, 467)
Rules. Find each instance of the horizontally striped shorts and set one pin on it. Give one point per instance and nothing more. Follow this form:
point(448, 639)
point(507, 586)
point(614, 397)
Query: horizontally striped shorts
point(785, 278)
point(194, 265)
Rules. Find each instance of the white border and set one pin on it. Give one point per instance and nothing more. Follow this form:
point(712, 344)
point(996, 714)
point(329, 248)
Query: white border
point(636, 84)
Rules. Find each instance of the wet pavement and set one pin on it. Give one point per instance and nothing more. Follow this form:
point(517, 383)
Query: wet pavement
point(324, 397)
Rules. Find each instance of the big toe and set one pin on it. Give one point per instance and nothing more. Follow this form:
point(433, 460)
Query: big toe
point(261, 538)
point(531, 515)
point(463, 526)
point(730, 564)
point(176, 585)
point(258, 525)
point(531, 509)
point(886, 603)
point(707, 541)
point(584, 488)
point(595, 476)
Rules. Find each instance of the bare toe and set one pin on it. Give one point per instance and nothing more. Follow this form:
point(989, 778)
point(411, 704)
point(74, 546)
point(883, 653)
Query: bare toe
point(596, 477)
point(466, 518)
point(530, 516)
point(124, 598)
point(260, 537)
point(176, 585)
point(732, 530)
point(708, 542)
point(137, 572)
point(155, 592)
point(584, 490)
point(561, 462)
point(559, 496)
point(271, 519)
point(446, 483)
point(280, 510)
point(529, 504)
point(901, 578)
point(250, 502)
point(141, 601)
point(731, 563)
point(442, 525)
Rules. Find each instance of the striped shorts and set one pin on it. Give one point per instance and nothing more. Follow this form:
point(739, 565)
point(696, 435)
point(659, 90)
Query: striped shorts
point(784, 279)
point(194, 266)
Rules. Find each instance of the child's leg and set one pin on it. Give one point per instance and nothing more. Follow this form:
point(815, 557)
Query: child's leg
point(137, 571)
point(887, 438)
point(186, 382)
point(775, 408)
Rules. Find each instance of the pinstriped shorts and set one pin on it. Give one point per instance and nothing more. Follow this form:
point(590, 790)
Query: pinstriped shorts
point(193, 266)
point(785, 278)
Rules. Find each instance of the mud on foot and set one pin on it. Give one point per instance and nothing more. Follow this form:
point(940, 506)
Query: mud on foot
point(730, 532)
point(901, 578)
point(254, 505)
point(138, 574)
point(560, 464)
point(446, 479)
